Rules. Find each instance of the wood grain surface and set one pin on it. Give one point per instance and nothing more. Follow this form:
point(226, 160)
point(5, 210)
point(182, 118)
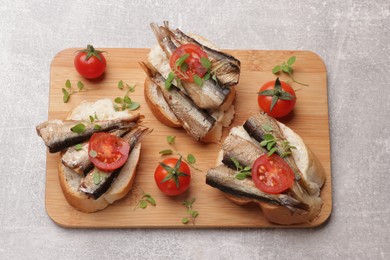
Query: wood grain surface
point(309, 119)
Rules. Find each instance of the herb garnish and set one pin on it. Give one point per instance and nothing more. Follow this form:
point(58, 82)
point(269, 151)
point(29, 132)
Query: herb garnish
point(190, 159)
point(68, 85)
point(286, 148)
point(242, 172)
point(267, 127)
point(171, 139)
point(145, 199)
point(79, 128)
point(181, 68)
point(193, 213)
point(286, 67)
point(98, 177)
point(166, 152)
point(269, 142)
point(78, 147)
point(168, 82)
point(125, 102)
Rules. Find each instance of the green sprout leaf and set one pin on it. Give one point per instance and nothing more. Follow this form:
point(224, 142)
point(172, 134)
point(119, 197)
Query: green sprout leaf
point(276, 69)
point(151, 200)
point(79, 128)
point(207, 76)
point(182, 59)
point(171, 139)
point(131, 88)
point(168, 82)
point(240, 175)
point(236, 163)
point(266, 127)
point(272, 151)
point(287, 68)
point(143, 204)
point(127, 100)
point(67, 84)
point(193, 213)
point(184, 67)
point(80, 85)
point(118, 100)
point(191, 158)
point(66, 96)
point(166, 152)
point(96, 178)
point(205, 62)
point(268, 137)
point(133, 106)
point(198, 81)
point(291, 60)
point(120, 84)
point(97, 127)
point(78, 147)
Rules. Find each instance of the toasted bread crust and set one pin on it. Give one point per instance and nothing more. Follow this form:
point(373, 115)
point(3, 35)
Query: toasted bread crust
point(272, 212)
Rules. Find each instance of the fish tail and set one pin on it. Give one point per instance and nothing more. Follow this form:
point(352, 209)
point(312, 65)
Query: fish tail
point(145, 67)
point(160, 33)
point(150, 70)
point(136, 135)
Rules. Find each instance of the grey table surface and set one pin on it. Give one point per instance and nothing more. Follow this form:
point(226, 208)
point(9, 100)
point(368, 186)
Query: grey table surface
point(353, 39)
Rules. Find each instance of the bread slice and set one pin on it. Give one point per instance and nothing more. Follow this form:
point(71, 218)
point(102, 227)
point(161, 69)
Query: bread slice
point(307, 163)
point(70, 181)
point(162, 111)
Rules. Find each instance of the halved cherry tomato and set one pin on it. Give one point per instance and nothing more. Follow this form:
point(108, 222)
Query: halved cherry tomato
point(108, 152)
point(191, 65)
point(90, 63)
point(172, 176)
point(283, 95)
point(271, 174)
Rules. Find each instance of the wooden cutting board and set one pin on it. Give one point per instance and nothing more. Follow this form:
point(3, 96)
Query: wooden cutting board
point(309, 120)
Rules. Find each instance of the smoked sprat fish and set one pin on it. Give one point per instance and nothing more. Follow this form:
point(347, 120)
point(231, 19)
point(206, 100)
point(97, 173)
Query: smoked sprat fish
point(57, 134)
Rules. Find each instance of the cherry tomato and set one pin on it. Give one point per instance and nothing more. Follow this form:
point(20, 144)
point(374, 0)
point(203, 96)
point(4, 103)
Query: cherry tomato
point(271, 174)
point(172, 176)
point(279, 91)
point(191, 65)
point(90, 63)
point(108, 152)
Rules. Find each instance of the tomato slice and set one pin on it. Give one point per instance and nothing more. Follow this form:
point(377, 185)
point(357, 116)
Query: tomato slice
point(192, 65)
point(108, 152)
point(271, 174)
